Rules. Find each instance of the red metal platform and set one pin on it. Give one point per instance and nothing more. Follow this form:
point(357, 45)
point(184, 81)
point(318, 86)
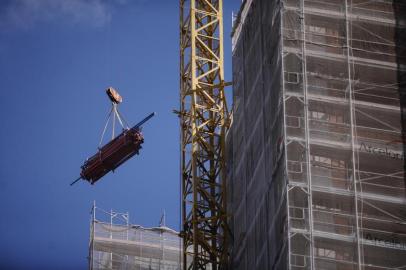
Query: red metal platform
point(112, 155)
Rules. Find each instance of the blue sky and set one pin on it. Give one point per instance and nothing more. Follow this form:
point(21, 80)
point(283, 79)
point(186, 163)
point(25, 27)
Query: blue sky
point(56, 59)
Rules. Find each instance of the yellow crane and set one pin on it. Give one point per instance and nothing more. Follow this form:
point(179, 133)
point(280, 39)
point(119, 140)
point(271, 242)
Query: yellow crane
point(204, 120)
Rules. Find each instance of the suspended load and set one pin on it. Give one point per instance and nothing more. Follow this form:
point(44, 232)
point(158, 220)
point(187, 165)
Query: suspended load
point(118, 150)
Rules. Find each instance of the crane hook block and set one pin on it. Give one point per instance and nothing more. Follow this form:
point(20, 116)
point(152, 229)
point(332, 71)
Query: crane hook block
point(114, 95)
point(113, 154)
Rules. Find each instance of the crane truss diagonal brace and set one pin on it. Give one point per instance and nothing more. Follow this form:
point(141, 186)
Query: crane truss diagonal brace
point(204, 120)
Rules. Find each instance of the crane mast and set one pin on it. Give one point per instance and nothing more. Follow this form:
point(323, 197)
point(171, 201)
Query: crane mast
point(204, 121)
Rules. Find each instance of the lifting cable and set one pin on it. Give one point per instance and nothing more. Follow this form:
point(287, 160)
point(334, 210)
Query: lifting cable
point(122, 121)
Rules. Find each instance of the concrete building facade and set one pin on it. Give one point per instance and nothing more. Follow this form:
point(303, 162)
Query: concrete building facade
point(316, 151)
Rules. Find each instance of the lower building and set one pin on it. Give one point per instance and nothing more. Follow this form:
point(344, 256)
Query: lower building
point(115, 244)
point(316, 151)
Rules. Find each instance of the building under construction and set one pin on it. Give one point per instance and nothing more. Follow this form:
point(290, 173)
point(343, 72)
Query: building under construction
point(316, 163)
point(115, 244)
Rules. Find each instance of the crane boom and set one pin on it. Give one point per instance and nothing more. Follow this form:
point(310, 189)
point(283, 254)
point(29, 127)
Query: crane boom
point(204, 120)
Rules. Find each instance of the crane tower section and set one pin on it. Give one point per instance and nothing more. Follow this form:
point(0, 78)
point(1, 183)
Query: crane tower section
point(204, 121)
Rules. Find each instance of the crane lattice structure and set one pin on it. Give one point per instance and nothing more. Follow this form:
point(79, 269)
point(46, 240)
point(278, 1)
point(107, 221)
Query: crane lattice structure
point(204, 121)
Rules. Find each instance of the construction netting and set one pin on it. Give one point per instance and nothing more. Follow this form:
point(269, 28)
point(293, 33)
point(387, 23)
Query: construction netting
point(132, 247)
point(316, 171)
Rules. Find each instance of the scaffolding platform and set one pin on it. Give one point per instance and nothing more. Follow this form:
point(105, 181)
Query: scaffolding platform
point(117, 244)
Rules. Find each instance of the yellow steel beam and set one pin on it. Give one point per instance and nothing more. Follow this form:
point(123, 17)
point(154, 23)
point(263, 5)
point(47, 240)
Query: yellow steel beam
point(204, 121)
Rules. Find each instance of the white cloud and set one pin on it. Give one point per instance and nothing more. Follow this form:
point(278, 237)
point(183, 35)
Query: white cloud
point(27, 13)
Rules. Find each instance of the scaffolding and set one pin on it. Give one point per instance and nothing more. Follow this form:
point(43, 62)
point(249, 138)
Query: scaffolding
point(316, 174)
point(116, 244)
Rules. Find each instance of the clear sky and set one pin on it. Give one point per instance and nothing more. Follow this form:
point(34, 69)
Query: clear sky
point(56, 59)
